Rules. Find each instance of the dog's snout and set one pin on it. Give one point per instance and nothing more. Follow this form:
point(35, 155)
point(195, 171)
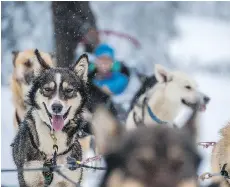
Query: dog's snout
point(206, 99)
point(57, 108)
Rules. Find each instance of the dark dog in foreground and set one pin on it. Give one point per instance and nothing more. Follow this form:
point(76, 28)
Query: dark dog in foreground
point(57, 98)
point(157, 156)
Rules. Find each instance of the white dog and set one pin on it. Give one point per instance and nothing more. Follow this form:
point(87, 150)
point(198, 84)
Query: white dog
point(163, 102)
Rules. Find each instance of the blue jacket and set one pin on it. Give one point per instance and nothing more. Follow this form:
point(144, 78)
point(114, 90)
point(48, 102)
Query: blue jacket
point(116, 83)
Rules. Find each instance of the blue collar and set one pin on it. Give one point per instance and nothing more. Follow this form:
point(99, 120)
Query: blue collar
point(154, 117)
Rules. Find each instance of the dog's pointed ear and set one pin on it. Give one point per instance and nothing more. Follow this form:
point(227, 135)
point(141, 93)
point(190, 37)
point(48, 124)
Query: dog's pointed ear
point(81, 67)
point(162, 74)
point(39, 63)
point(15, 55)
point(105, 128)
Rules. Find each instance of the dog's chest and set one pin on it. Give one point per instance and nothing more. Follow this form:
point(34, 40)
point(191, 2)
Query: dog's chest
point(46, 143)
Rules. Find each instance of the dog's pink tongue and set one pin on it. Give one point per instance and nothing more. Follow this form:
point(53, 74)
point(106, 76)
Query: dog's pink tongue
point(203, 108)
point(57, 122)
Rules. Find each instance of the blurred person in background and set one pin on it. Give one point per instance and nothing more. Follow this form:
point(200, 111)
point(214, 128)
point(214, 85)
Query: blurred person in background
point(107, 73)
point(73, 21)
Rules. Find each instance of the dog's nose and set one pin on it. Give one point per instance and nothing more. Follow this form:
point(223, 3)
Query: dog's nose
point(57, 108)
point(206, 99)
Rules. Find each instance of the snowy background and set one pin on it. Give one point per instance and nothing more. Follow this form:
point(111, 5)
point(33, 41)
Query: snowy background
point(191, 36)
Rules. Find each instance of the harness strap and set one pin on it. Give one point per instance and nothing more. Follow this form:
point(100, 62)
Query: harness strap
point(154, 117)
point(35, 146)
point(45, 156)
point(138, 123)
point(48, 175)
point(150, 112)
point(143, 109)
point(224, 173)
point(142, 106)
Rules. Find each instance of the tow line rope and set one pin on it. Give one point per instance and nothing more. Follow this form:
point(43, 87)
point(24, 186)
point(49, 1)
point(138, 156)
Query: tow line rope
point(71, 162)
point(222, 173)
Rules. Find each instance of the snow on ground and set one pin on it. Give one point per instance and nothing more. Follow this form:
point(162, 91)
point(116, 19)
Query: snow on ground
point(7, 131)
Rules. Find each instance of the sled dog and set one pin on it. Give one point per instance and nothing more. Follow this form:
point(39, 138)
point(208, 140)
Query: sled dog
point(56, 99)
point(21, 79)
point(162, 103)
point(220, 156)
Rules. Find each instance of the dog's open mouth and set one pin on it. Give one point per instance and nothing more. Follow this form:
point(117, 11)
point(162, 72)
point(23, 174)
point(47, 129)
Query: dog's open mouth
point(201, 107)
point(57, 121)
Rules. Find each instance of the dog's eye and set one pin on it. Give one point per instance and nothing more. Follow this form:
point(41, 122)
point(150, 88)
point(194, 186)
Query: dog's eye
point(47, 89)
point(69, 90)
point(188, 87)
point(28, 64)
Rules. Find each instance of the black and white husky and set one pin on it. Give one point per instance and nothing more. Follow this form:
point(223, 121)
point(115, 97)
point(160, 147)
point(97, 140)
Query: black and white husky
point(57, 98)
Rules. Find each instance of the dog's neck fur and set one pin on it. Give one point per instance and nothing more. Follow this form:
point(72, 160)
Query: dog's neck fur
point(159, 105)
point(46, 142)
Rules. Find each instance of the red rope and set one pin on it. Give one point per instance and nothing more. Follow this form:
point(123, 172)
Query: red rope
point(91, 159)
point(206, 144)
point(99, 157)
point(119, 34)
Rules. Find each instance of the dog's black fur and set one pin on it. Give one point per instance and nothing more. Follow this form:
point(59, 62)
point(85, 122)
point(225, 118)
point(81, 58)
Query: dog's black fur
point(27, 144)
point(97, 97)
point(147, 83)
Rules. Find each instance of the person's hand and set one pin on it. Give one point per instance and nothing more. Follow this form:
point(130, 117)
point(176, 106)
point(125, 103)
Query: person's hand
point(106, 90)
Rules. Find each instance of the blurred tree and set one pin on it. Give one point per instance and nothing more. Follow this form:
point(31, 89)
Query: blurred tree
point(72, 21)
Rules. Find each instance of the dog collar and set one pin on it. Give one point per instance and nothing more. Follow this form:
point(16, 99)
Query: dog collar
point(154, 117)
